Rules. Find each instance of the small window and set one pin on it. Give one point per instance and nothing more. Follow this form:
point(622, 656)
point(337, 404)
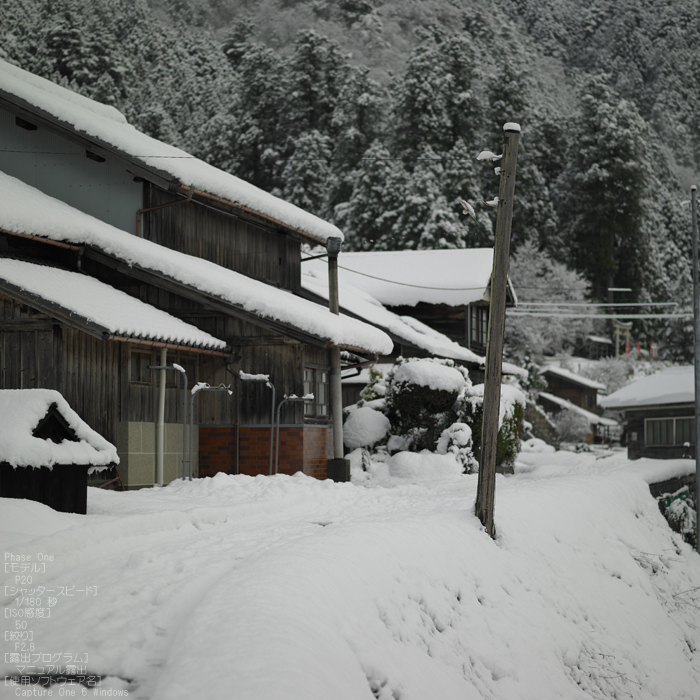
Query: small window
point(685, 431)
point(479, 324)
point(174, 378)
point(670, 431)
point(140, 363)
point(316, 383)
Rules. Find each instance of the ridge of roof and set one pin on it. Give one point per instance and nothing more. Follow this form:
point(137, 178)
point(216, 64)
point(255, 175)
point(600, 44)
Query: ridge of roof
point(168, 166)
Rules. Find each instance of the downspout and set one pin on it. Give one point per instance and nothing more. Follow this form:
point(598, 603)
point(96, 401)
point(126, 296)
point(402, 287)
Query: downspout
point(160, 426)
point(160, 206)
point(338, 467)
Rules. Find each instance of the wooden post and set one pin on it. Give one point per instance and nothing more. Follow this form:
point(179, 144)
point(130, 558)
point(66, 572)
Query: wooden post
point(696, 363)
point(486, 487)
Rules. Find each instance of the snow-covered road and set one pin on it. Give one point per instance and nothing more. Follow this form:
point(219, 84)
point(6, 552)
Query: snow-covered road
point(287, 587)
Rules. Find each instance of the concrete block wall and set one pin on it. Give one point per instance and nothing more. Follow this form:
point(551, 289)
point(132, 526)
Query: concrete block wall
point(136, 445)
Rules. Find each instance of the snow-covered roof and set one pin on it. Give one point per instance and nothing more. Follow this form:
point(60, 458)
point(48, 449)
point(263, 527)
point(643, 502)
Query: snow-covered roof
point(21, 410)
point(573, 377)
point(593, 418)
point(671, 386)
point(599, 339)
point(108, 127)
point(408, 277)
point(359, 302)
point(98, 305)
point(25, 210)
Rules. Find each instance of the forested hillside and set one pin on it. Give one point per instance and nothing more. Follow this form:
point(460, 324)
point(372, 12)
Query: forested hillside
point(371, 114)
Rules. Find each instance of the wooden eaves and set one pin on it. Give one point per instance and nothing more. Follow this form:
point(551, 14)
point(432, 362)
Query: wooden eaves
point(211, 301)
point(78, 322)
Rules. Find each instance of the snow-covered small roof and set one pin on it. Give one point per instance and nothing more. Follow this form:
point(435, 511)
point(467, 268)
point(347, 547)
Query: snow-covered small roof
point(21, 411)
point(673, 385)
point(573, 377)
point(108, 127)
point(98, 305)
point(408, 277)
point(593, 418)
point(599, 339)
point(25, 210)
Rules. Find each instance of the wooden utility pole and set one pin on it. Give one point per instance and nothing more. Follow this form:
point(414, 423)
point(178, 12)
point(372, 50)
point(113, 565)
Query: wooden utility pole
point(486, 488)
point(696, 364)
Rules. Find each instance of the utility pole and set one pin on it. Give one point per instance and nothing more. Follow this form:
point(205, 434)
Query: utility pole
point(486, 487)
point(338, 467)
point(696, 326)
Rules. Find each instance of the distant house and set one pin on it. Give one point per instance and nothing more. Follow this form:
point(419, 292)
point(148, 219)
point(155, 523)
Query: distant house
point(580, 391)
point(84, 192)
point(596, 347)
point(46, 450)
point(567, 390)
point(447, 290)
point(659, 414)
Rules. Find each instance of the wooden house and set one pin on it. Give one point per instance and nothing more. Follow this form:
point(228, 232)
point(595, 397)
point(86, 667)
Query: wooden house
point(412, 337)
point(84, 191)
point(580, 391)
point(46, 450)
point(447, 290)
point(659, 414)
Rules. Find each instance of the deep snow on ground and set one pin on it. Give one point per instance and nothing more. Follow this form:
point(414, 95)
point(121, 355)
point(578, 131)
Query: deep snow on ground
point(263, 588)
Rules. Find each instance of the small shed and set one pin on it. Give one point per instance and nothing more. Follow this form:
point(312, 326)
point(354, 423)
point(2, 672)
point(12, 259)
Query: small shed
point(659, 413)
point(580, 391)
point(46, 450)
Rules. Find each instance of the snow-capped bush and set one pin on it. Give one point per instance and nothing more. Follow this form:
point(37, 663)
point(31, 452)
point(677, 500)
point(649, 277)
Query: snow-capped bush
point(510, 421)
point(365, 427)
point(421, 395)
point(457, 440)
point(430, 404)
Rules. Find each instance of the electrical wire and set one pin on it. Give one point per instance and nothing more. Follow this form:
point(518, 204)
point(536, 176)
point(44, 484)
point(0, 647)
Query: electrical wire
point(417, 286)
point(596, 317)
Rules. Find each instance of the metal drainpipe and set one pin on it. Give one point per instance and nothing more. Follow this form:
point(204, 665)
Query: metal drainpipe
point(333, 246)
point(292, 398)
point(160, 427)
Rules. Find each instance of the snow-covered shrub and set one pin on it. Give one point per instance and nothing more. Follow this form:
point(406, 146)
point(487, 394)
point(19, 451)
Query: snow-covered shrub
point(679, 510)
point(510, 421)
point(571, 426)
point(457, 439)
point(420, 399)
point(365, 427)
point(376, 387)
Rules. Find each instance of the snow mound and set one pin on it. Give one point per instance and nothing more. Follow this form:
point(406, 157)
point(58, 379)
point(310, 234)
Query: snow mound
point(365, 426)
point(430, 374)
point(536, 445)
point(423, 466)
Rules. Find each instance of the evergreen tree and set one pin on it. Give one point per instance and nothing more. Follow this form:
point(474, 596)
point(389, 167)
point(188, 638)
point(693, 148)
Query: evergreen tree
point(307, 172)
point(607, 188)
point(369, 217)
point(315, 72)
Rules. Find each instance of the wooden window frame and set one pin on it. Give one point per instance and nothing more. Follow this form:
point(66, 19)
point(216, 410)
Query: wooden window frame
point(316, 411)
point(674, 430)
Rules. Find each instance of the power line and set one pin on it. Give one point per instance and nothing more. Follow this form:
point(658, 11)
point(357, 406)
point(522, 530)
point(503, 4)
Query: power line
point(597, 317)
point(591, 305)
point(417, 286)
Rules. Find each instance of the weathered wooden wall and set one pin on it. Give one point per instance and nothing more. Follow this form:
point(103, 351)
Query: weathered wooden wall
point(36, 352)
point(273, 256)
